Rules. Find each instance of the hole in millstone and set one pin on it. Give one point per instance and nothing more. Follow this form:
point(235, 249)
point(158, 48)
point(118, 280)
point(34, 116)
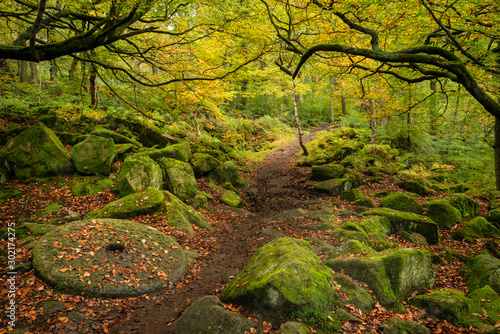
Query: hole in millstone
point(115, 247)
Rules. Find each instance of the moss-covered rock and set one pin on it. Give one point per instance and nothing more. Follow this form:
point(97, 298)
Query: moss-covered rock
point(323, 215)
point(77, 257)
point(493, 216)
point(137, 173)
point(327, 172)
point(401, 202)
point(208, 315)
point(203, 164)
point(391, 275)
point(335, 187)
point(476, 229)
point(482, 270)
point(231, 198)
point(144, 202)
point(37, 230)
point(8, 193)
point(406, 221)
point(283, 276)
point(348, 248)
point(94, 155)
point(37, 153)
point(416, 188)
point(150, 137)
point(228, 172)
point(117, 138)
point(292, 327)
point(91, 186)
point(444, 304)
point(179, 178)
point(468, 207)
point(354, 293)
point(400, 326)
point(181, 151)
point(376, 227)
point(442, 213)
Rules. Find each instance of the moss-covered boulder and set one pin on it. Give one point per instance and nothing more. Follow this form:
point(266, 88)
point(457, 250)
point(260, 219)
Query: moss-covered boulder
point(9, 193)
point(208, 315)
point(137, 173)
point(181, 151)
point(94, 155)
point(357, 198)
point(418, 186)
point(482, 270)
point(109, 258)
point(327, 172)
point(407, 221)
point(442, 213)
point(354, 293)
point(493, 216)
point(288, 214)
point(182, 216)
point(117, 138)
point(179, 178)
point(91, 186)
point(228, 172)
point(139, 203)
point(334, 187)
point(444, 304)
point(292, 327)
point(283, 276)
point(392, 275)
point(468, 207)
point(231, 198)
point(37, 152)
point(203, 164)
point(150, 137)
point(350, 247)
point(376, 227)
point(476, 229)
point(401, 202)
point(400, 326)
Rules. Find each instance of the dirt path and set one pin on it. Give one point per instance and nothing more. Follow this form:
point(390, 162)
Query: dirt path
point(221, 254)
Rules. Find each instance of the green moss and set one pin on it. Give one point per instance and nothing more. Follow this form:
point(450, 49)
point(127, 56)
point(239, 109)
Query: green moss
point(442, 213)
point(8, 193)
point(139, 172)
point(327, 172)
point(468, 207)
point(179, 178)
point(401, 202)
point(482, 270)
point(181, 151)
point(334, 187)
point(91, 186)
point(94, 155)
point(230, 198)
point(476, 229)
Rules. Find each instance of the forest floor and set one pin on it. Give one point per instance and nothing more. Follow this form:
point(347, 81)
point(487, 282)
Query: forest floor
point(221, 254)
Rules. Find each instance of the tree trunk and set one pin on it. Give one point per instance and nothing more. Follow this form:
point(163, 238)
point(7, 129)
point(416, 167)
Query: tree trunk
point(433, 106)
point(496, 153)
point(33, 72)
point(299, 128)
point(332, 87)
point(93, 87)
point(23, 71)
point(53, 71)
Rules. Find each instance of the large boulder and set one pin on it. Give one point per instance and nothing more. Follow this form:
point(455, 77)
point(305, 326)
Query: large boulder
point(283, 276)
point(178, 214)
point(476, 229)
point(353, 294)
point(203, 164)
point(181, 151)
point(493, 216)
point(468, 207)
point(442, 213)
point(150, 137)
point(91, 186)
point(228, 172)
point(392, 275)
point(37, 152)
point(481, 270)
point(401, 202)
point(406, 221)
point(137, 173)
point(109, 258)
point(418, 186)
point(117, 138)
point(94, 155)
point(208, 315)
point(334, 187)
point(351, 247)
point(179, 178)
point(139, 203)
point(327, 172)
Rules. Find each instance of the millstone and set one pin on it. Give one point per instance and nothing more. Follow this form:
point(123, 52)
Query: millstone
point(109, 258)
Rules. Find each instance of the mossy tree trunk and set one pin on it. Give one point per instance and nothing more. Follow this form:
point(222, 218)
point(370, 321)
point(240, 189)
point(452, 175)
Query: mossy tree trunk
point(496, 150)
point(296, 112)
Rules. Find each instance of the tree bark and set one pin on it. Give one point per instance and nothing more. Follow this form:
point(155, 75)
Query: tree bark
point(93, 87)
point(496, 153)
point(332, 87)
point(23, 71)
point(299, 128)
point(433, 106)
point(33, 72)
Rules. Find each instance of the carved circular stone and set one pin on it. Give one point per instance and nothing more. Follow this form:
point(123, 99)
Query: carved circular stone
point(74, 258)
